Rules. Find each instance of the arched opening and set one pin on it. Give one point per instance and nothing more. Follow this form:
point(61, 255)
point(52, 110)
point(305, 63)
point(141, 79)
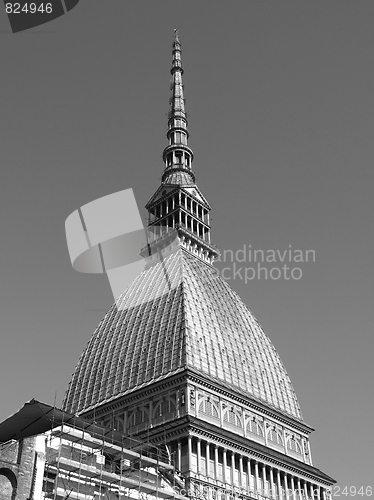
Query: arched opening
point(8, 484)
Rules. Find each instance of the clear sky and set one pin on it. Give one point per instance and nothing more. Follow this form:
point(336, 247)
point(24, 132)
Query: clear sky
point(281, 117)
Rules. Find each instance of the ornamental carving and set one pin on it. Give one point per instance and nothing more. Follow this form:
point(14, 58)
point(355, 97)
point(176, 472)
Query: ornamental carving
point(192, 398)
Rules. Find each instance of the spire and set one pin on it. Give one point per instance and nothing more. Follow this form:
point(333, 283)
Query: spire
point(178, 206)
point(177, 155)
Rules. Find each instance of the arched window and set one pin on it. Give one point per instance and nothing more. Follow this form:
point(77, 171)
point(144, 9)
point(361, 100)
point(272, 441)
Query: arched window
point(164, 407)
point(254, 427)
point(8, 483)
point(231, 417)
point(108, 423)
point(118, 424)
point(294, 445)
point(275, 436)
point(208, 408)
point(138, 417)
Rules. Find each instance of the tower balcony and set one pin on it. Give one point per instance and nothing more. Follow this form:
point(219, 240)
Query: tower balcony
point(152, 218)
point(177, 147)
point(183, 230)
point(168, 236)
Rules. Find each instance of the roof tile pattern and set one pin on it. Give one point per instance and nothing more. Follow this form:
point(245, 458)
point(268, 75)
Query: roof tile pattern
point(177, 314)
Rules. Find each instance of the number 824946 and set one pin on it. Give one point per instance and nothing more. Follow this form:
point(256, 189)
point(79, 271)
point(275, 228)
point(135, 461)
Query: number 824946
point(32, 8)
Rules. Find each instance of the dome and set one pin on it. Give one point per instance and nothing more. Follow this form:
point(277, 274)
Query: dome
point(179, 314)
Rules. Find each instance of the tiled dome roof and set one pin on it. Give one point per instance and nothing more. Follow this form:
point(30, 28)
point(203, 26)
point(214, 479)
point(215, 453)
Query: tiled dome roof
point(178, 314)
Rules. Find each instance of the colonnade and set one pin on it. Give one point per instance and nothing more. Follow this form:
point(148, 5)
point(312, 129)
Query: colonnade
point(184, 218)
point(182, 201)
point(190, 224)
point(250, 475)
point(178, 157)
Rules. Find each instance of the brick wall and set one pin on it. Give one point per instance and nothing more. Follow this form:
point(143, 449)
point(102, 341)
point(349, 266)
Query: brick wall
point(16, 469)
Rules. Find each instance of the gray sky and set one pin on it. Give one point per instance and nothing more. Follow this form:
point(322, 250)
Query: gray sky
point(281, 117)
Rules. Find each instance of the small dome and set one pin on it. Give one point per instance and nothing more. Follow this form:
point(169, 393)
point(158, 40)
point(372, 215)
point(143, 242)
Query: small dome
point(179, 314)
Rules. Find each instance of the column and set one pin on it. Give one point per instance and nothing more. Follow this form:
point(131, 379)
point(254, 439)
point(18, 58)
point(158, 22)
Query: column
point(179, 455)
point(215, 462)
point(207, 455)
point(125, 420)
point(324, 493)
point(198, 456)
point(264, 479)
point(310, 453)
point(286, 486)
point(189, 453)
point(318, 490)
point(232, 468)
point(241, 475)
point(224, 472)
point(272, 487)
point(151, 412)
point(293, 488)
point(312, 491)
point(305, 491)
point(299, 489)
point(251, 485)
point(303, 449)
point(285, 441)
point(266, 426)
point(256, 479)
point(279, 484)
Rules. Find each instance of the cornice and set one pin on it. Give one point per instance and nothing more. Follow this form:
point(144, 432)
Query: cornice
point(191, 426)
point(202, 379)
point(136, 395)
point(194, 377)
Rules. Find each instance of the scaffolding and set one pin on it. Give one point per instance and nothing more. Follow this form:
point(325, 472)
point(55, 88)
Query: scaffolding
point(97, 463)
point(74, 459)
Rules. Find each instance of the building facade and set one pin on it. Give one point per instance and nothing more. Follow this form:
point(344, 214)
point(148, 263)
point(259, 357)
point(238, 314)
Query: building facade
point(178, 365)
point(180, 360)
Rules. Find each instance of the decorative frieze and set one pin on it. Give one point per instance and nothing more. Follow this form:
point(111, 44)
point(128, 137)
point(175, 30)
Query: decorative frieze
point(254, 425)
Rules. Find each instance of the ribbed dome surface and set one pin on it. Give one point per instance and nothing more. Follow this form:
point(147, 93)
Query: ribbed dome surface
point(179, 313)
point(179, 178)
